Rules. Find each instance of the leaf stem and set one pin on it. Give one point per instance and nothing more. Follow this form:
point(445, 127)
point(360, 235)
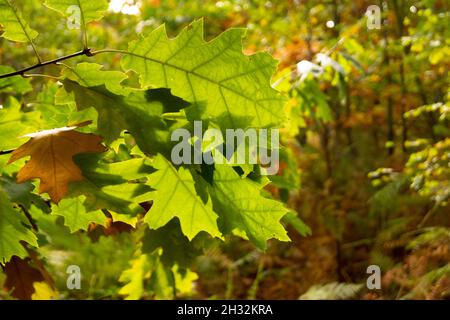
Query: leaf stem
point(32, 75)
point(109, 51)
point(83, 27)
point(24, 31)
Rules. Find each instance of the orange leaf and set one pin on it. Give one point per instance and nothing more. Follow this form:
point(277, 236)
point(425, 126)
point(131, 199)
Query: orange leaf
point(51, 160)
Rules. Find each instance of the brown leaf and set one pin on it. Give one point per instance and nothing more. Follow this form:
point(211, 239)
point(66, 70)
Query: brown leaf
point(20, 277)
point(51, 160)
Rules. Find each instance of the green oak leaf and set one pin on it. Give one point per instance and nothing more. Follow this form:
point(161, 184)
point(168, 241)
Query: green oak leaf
point(90, 10)
point(125, 218)
point(15, 84)
point(162, 282)
point(175, 196)
point(15, 123)
point(58, 109)
point(292, 219)
point(141, 268)
point(105, 188)
point(241, 206)
point(76, 217)
point(14, 26)
point(12, 231)
point(21, 193)
point(223, 84)
point(176, 247)
point(120, 108)
point(111, 108)
point(92, 75)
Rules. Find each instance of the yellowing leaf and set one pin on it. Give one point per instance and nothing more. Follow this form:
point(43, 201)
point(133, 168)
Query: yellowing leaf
point(42, 291)
point(141, 269)
point(51, 160)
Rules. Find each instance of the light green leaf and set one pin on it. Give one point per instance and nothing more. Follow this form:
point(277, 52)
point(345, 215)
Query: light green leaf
point(14, 123)
point(76, 217)
point(58, 109)
point(12, 231)
point(184, 281)
point(241, 206)
point(119, 108)
point(141, 268)
point(90, 10)
point(111, 108)
point(125, 218)
point(92, 75)
point(162, 282)
point(292, 219)
point(15, 84)
point(105, 188)
point(15, 27)
point(224, 84)
point(176, 196)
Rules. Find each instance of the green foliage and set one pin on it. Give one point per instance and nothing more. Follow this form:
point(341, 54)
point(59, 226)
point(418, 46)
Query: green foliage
point(75, 215)
point(241, 206)
point(175, 196)
point(166, 212)
point(16, 85)
point(237, 95)
point(90, 10)
point(12, 231)
point(14, 25)
point(347, 100)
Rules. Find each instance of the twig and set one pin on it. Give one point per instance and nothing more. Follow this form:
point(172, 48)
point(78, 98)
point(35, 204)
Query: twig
point(30, 219)
point(86, 52)
point(427, 216)
point(5, 152)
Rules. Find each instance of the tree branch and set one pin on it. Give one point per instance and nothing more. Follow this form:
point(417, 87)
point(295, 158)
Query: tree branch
point(85, 52)
point(5, 152)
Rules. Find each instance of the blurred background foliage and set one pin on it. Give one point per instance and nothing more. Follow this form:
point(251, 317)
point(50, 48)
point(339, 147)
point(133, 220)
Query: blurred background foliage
point(367, 163)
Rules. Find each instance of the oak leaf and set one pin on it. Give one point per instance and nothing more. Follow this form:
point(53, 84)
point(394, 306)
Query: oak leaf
point(20, 276)
point(51, 160)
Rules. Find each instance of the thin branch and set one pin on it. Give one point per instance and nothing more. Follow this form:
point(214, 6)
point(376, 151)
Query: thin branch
point(5, 152)
point(29, 218)
point(85, 52)
point(428, 215)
